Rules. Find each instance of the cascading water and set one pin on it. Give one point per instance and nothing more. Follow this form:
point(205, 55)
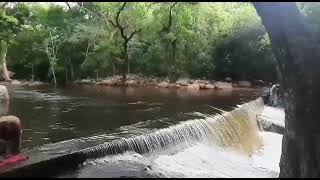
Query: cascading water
point(235, 129)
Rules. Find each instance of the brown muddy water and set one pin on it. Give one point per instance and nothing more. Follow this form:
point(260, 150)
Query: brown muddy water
point(56, 120)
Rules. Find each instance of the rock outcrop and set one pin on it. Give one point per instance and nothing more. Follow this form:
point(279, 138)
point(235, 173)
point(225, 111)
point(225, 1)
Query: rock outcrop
point(4, 95)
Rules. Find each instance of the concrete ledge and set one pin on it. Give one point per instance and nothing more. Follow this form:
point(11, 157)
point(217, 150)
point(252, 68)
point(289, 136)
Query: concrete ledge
point(272, 120)
point(269, 126)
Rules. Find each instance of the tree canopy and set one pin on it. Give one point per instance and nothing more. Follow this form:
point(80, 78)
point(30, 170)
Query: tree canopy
point(98, 39)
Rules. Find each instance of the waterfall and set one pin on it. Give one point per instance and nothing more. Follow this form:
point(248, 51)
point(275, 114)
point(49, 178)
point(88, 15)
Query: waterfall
point(235, 129)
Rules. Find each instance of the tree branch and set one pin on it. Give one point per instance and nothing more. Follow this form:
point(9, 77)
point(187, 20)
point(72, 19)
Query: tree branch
point(113, 24)
point(170, 15)
point(118, 13)
point(68, 5)
point(134, 32)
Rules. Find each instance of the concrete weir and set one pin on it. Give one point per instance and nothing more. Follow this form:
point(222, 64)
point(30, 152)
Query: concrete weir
point(272, 119)
point(50, 163)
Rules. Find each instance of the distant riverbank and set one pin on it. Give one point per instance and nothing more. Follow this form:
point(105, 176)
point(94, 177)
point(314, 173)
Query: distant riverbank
point(182, 83)
point(144, 81)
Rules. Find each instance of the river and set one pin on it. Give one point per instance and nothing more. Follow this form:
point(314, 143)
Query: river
point(95, 114)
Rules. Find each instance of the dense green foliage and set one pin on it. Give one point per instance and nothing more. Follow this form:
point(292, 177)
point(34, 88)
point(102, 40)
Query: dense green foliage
point(80, 40)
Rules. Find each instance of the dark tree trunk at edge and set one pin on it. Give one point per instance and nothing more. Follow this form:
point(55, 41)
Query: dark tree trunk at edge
point(298, 60)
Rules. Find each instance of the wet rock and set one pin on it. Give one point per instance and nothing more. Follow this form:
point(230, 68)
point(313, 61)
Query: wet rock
point(193, 87)
point(244, 84)
point(235, 85)
point(131, 82)
point(202, 85)
point(209, 86)
point(107, 82)
point(222, 85)
point(15, 82)
point(4, 95)
point(85, 81)
point(163, 85)
point(171, 85)
point(201, 81)
point(183, 82)
point(82, 81)
point(37, 83)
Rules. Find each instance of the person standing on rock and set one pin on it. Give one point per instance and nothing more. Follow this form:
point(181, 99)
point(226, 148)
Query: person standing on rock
point(274, 95)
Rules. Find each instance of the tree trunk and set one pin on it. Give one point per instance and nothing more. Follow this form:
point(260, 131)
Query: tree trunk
point(54, 75)
point(128, 72)
point(51, 66)
point(66, 72)
point(298, 61)
point(71, 70)
point(113, 69)
point(3, 63)
point(172, 72)
point(52, 60)
point(125, 64)
point(32, 73)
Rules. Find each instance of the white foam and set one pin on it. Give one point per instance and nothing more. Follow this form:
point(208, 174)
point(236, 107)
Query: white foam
point(203, 161)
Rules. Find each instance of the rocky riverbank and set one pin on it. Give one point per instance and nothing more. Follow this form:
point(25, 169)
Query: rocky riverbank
point(25, 83)
point(144, 81)
point(183, 83)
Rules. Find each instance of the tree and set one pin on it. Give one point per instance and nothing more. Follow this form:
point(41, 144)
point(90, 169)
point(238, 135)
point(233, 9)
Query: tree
point(8, 25)
point(298, 56)
point(126, 39)
point(198, 40)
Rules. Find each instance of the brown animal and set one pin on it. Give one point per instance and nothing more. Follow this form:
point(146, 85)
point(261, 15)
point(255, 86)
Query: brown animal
point(10, 135)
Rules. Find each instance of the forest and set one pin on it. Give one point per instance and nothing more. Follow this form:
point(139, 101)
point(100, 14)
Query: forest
point(61, 43)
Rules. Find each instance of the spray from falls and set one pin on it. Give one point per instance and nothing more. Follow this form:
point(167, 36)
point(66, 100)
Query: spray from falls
point(235, 129)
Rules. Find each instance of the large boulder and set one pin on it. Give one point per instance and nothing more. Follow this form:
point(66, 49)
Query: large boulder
point(38, 83)
point(131, 82)
point(244, 84)
point(171, 85)
point(4, 95)
point(223, 85)
point(201, 81)
point(15, 82)
point(202, 85)
point(209, 86)
point(183, 82)
point(85, 81)
point(107, 82)
point(193, 87)
point(163, 85)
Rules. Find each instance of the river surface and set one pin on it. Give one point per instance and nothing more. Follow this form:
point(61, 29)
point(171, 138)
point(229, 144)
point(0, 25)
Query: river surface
point(51, 116)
